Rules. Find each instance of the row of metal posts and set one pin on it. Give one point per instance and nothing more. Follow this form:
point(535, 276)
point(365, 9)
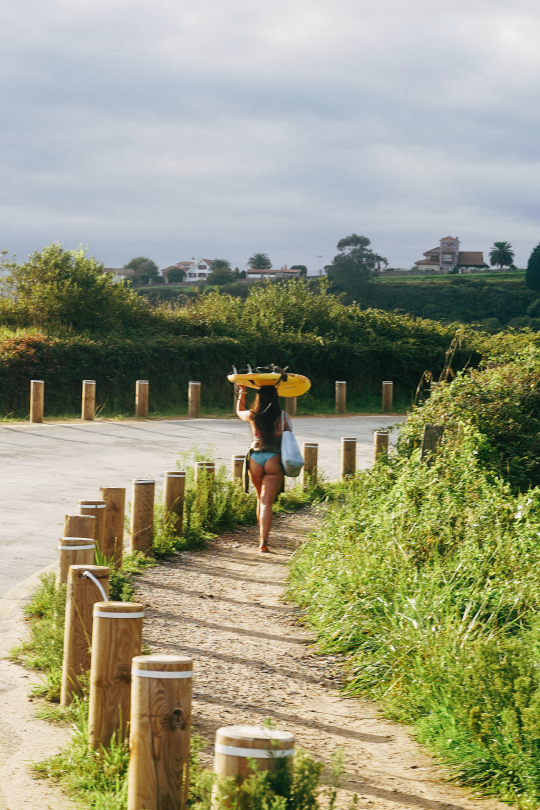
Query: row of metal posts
point(88, 409)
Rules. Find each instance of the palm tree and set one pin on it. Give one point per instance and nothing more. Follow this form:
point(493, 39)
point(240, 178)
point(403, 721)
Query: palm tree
point(221, 264)
point(260, 261)
point(501, 254)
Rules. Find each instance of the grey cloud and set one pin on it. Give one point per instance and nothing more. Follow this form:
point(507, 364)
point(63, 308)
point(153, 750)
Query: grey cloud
point(171, 130)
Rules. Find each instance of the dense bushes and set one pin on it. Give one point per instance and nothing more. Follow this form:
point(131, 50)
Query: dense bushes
point(284, 324)
point(495, 304)
point(427, 575)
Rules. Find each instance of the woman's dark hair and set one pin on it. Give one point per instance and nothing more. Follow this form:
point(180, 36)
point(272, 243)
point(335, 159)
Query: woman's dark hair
point(266, 411)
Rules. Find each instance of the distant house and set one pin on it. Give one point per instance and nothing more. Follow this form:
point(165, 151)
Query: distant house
point(119, 273)
point(448, 256)
point(284, 272)
point(195, 270)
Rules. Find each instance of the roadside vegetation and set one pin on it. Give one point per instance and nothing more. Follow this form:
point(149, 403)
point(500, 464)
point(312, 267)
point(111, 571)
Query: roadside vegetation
point(63, 321)
point(426, 576)
point(98, 779)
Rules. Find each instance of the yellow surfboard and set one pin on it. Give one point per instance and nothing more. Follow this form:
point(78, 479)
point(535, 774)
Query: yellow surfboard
point(291, 385)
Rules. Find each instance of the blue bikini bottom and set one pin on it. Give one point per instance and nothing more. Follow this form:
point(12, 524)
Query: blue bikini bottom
point(260, 457)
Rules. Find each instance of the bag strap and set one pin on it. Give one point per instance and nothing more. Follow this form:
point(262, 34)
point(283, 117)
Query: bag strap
point(285, 415)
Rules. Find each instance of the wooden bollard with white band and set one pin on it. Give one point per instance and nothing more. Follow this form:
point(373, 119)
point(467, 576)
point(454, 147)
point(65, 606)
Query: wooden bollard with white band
point(194, 399)
point(237, 466)
point(88, 408)
point(86, 585)
point(174, 487)
point(141, 399)
point(236, 744)
point(380, 443)
point(161, 689)
point(387, 393)
point(74, 551)
point(308, 475)
point(37, 400)
point(348, 457)
point(116, 640)
point(290, 405)
point(341, 396)
point(80, 526)
point(113, 530)
point(142, 515)
point(204, 471)
point(96, 508)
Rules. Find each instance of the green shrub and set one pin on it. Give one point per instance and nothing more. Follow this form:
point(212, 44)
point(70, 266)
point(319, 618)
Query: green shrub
point(285, 324)
point(66, 289)
point(427, 578)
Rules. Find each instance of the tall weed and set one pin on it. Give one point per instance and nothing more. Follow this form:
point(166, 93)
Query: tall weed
point(427, 577)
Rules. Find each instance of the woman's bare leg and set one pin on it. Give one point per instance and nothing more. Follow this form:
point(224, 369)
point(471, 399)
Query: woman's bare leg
point(267, 483)
point(256, 473)
point(271, 484)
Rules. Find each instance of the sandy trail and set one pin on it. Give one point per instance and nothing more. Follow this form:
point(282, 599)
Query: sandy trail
point(252, 660)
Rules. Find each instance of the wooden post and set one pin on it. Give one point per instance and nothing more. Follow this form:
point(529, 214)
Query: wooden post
point(341, 396)
point(141, 399)
point(88, 400)
point(142, 515)
point(80, 526)
point(82, 593)
point(194, 400)
point(380, 444)
point(387, 391)
point(290, 405)
point(348, 457)
point(234, 744)
point(174, 487)
point(37, 400)
point(73, 551)
point(116, 640)
point(431, 441)
point(237, 466)
point(113, 540)
point(97, 510)
point(158, 776)
point(204, 470)
point(309, 470)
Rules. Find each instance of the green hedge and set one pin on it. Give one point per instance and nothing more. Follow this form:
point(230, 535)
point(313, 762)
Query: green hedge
point(170, 361)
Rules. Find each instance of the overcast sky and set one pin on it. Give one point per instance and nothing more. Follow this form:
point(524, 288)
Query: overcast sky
point(173, 129)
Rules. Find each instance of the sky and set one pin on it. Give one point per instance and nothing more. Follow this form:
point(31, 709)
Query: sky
point(174, 129)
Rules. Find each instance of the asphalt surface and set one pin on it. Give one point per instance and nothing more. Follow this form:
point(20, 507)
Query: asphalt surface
point(45, 469)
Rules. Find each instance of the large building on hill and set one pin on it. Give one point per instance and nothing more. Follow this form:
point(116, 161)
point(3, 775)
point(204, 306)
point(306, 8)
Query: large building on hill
point(448, 257)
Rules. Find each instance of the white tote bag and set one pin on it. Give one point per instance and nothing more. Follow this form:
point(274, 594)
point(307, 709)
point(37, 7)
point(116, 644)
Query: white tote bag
point(291, 457)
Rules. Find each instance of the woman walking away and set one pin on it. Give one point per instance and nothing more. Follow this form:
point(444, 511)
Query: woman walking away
point(264, 457)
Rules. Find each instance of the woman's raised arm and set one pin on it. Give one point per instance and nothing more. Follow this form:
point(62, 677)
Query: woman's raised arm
point(241, 411)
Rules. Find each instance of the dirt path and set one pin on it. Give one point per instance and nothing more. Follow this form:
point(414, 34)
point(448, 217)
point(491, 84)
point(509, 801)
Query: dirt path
point(252, 660)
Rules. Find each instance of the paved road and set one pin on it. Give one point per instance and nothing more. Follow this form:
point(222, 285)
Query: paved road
point(46, 469)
